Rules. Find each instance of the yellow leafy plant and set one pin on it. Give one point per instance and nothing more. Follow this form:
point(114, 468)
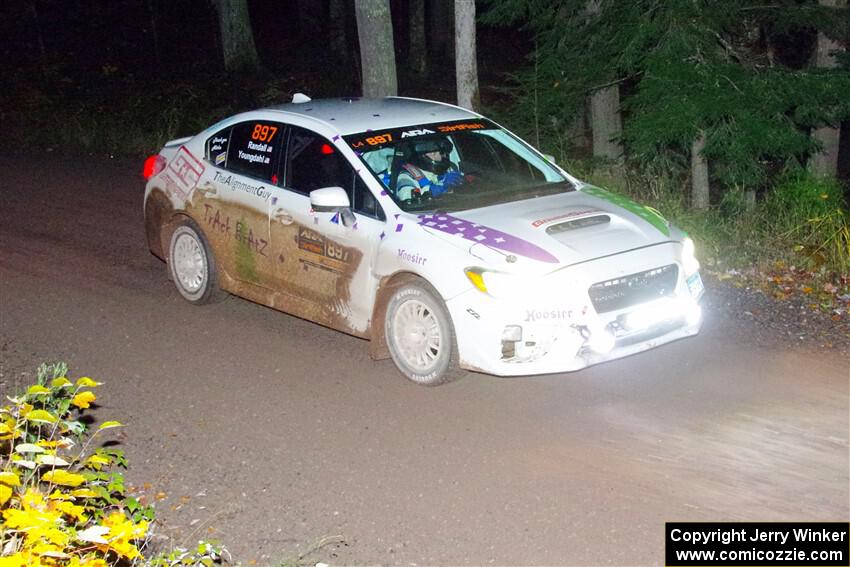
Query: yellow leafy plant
point(63, 502)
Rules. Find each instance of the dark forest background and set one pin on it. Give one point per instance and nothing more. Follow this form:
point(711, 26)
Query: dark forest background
point(733, 82)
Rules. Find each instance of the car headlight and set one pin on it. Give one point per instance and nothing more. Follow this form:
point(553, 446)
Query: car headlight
point(497, 284)
point(689, 259)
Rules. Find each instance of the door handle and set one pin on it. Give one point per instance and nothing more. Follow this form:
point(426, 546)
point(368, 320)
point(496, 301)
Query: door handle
point(208, 189)
point(282, 216)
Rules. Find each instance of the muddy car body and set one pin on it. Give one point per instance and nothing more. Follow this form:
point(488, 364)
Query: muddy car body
point(514, 268)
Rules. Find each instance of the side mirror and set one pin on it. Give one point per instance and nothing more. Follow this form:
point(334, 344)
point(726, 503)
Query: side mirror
point(333, 200)
point(329, 199)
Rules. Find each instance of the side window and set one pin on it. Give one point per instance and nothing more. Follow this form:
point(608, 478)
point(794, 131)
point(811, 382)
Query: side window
point(254, 148)
point(217, 148)
point(313, 162)
point(364, 201)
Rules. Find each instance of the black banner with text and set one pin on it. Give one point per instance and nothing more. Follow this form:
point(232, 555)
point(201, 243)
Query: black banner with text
point(810, 544)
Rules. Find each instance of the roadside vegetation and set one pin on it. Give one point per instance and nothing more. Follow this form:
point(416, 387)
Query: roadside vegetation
point(63, 499)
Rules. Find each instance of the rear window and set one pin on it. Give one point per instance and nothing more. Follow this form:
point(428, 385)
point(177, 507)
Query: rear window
point(217, 148)
point(252, 149)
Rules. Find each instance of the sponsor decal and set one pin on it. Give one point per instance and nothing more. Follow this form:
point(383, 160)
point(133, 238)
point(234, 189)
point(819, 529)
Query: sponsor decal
point(648, 214)
point(419, 132)
point(370, 140)
point(540, 222)
point(458, 127)
point(479, 234)
point(184, 171)
point(315, 243)
point(311, 241)
point(533, 315)
point(413, 258)
point(227, 179)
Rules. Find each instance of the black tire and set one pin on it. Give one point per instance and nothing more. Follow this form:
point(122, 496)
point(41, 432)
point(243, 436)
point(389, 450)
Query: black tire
point(420, 335)
point(192, 266)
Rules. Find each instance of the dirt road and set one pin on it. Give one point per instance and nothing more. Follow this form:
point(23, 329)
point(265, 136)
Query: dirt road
point(272, 433)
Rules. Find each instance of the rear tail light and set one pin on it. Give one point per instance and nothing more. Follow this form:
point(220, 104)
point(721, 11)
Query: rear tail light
point(153, 165)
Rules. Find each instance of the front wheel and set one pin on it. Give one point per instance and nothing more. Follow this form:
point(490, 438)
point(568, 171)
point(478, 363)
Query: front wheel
point(192, 264)
point(420, 336)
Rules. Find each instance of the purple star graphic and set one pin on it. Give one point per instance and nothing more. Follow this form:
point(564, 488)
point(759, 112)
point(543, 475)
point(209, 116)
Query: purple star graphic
point(475, 233)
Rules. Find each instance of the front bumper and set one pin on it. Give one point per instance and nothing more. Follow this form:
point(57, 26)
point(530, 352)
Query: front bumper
point(555, 328)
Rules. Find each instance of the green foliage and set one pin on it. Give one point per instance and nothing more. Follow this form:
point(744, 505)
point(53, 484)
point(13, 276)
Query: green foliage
point(62, 501)
point(810, 219)
point(684, 68)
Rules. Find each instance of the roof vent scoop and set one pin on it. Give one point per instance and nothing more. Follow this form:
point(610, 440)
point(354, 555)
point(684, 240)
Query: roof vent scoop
point(299, 98)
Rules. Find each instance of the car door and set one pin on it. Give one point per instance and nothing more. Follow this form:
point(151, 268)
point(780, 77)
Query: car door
point(325, 261)
point(232, 200)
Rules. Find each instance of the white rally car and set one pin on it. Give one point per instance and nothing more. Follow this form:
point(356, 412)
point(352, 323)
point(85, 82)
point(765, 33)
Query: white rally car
point(441, 237)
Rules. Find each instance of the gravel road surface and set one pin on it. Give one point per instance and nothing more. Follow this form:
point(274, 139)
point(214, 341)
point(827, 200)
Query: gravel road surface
point(276, 435)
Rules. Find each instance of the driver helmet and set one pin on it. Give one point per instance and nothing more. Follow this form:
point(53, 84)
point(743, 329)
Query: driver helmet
point(432, 155)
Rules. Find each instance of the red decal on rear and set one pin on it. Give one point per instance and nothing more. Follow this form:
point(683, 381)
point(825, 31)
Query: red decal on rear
point(185, 170)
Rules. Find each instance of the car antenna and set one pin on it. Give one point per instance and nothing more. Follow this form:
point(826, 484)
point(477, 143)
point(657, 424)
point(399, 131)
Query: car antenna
point(299, 98)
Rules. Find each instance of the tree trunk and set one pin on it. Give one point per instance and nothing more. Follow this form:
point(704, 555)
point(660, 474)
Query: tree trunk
point(237, 39)
point(577, 130)
point(605, 123)
point(336, 25)
point(466, 65)
point(825, 162)
point(418, 46)
point(699, 174)
point(377, 50)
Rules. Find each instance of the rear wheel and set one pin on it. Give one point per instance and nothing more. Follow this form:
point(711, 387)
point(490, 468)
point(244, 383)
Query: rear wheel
point(420, 336)
point(192, 265)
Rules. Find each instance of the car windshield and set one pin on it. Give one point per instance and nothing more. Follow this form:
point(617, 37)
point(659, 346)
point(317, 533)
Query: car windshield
point(454, 166)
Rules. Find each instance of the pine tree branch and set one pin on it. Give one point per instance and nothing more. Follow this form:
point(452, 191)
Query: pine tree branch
point(614, 82)
point(728, 47)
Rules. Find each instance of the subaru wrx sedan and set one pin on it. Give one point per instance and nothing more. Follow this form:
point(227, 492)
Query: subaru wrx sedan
point(442, 238)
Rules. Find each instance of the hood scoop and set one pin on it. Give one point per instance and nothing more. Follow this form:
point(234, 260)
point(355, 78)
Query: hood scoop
point(576, 224)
